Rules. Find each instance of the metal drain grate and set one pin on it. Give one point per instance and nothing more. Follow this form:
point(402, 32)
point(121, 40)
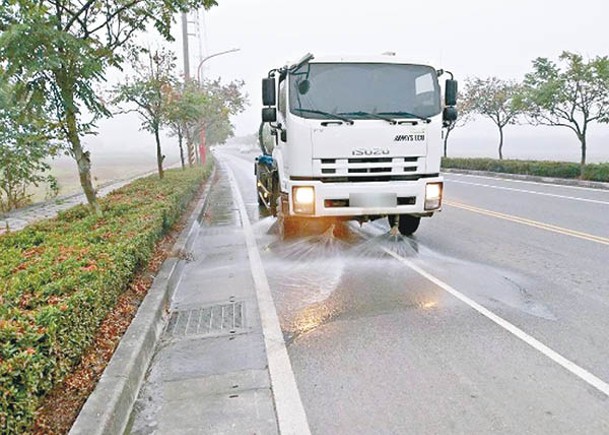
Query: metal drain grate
point(214, 320)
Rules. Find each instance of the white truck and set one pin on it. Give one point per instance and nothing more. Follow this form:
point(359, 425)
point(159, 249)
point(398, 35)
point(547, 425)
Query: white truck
point(353, 138)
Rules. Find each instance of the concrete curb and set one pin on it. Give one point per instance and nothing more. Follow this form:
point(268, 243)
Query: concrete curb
point(108, 408)
point(547, 180)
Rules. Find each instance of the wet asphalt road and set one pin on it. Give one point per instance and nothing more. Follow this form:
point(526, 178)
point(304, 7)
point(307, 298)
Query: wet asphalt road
point(377, 348)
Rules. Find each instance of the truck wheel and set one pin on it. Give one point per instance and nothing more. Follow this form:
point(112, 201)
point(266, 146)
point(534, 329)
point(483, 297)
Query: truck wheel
point(274, 199)
point(288, 225)
point(407, 225)
point(259, 191)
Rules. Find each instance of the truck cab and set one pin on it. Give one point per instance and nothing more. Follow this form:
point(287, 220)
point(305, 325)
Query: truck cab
point(353, 138)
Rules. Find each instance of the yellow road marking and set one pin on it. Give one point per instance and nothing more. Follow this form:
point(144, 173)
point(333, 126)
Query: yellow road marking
point(531, 223)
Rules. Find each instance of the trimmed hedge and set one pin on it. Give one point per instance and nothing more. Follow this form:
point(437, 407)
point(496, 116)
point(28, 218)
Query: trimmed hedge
point(59, 279)
point(592, 172)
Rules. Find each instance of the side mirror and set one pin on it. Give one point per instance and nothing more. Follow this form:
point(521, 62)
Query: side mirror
point(268, 92)
point(449, 114)
point(450, 92)
point(269, 114)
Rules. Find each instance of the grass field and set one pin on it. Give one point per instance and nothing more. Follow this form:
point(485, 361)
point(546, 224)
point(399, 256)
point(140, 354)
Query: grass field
point(105, 169)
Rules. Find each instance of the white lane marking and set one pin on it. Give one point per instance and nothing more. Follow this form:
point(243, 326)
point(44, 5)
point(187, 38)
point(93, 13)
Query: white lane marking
point(291, 416)
point(569, 365)
point(536, 183)
point(534, 192)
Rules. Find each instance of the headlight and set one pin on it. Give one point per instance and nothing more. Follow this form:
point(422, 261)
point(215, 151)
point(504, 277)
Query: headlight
point(304, 199)
point(433, 196)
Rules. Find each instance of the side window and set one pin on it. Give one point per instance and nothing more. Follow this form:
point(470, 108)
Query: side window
point(424, 84)
point(282, 98)
point(425, 95)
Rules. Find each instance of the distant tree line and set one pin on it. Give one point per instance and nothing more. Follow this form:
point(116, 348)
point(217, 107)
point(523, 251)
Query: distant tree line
point(571, 93)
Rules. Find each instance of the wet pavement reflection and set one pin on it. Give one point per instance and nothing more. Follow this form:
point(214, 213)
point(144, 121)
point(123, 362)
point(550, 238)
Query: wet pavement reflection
point(321, 278)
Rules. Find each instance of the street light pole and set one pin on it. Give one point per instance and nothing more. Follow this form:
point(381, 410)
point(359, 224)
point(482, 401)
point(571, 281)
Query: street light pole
point(232, 50)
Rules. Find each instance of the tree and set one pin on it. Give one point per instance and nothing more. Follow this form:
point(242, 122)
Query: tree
point(223, 101)
point(24, 146)
point(464, 116)
point(151, 90)
point(62, 49)
point(184, 112)
point(572, 96)
point(493, 98)
point(204, 108)
point(219, 132)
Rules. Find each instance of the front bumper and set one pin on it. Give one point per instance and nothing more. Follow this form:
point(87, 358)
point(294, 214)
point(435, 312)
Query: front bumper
point(353, 199)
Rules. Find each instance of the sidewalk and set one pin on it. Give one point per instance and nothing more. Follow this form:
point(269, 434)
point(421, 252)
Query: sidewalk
point(18, 219)
point(209, 372)
point(200, 328)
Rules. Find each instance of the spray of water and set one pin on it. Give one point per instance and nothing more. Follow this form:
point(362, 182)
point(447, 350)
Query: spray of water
point(393, 241)
point(311, 248)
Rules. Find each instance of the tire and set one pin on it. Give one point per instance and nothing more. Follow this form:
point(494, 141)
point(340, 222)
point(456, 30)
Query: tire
point(288, 225)
point(275, 195)
point(258, 174)
point(407, 225)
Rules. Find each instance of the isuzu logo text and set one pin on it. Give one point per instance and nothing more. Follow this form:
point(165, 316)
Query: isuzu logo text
point(409, 138)
point(370, 151)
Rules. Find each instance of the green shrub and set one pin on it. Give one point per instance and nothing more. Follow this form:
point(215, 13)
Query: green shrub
point(597, 172)
point(593, 172)
point(61, 277)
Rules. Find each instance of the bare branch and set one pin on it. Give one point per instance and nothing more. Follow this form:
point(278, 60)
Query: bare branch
point(75, 16)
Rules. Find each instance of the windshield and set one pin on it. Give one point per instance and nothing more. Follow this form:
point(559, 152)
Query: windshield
point(362, 90)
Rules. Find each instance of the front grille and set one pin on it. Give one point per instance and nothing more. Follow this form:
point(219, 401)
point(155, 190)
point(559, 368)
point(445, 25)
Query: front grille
point(367, 170)
point(368, 167)
point(356, 179)
point(371, 160)
point(367, 178)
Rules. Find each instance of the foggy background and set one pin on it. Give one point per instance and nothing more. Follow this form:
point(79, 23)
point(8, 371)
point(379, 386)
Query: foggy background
point(468, 37)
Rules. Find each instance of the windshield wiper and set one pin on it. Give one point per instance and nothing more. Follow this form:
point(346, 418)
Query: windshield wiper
point(371, 115)
point(405, 115)
point(326, 114)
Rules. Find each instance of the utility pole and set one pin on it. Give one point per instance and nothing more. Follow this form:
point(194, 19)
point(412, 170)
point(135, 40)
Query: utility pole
point(185, 46)
point(193, 155)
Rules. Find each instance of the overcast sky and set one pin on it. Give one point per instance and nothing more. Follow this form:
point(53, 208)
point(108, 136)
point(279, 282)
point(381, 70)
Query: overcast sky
point(468, 37)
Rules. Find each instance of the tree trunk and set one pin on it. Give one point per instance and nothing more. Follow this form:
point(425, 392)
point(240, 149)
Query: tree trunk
point(181, 145)
point(191, 151)
point(500, 143)
point(83, 160)
point(159, 155)
point(82, 157)
point(582, 164)
point(10, 201)
point(196, 149)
